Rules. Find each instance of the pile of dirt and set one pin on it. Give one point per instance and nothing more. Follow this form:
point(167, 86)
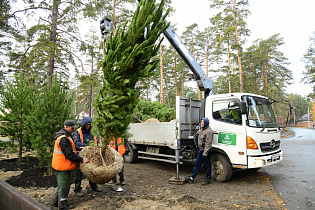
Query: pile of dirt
point(29, 173)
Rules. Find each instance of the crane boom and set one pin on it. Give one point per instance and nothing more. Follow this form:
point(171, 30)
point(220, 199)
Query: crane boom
point(204, 83)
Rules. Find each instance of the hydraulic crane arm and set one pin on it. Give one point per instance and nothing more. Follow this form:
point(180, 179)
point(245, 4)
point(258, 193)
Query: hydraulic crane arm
point(204, 83)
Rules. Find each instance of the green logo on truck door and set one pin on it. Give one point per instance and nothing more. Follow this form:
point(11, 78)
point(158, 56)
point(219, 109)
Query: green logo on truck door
point(227, 138)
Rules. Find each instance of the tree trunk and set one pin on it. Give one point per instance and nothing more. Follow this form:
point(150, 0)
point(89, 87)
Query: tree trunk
point(76, 100)
point(266, 77)
point(139, 88)
point(229, 69)
point(53, 38)
point(175, 78)
point(114, 17)
point(91, 88)
point(167, 96)
point(161, 74)
point(90, 102)
point(193, 50)
point(20, 149)
point(183, 86)
point(238, 52)
point(148, 82)
point(207, 59)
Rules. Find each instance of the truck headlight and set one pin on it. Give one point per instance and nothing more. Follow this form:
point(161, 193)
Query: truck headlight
point(260, 162)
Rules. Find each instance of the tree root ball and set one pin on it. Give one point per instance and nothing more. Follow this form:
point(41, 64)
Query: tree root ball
point(105, 163)
point(152, 120)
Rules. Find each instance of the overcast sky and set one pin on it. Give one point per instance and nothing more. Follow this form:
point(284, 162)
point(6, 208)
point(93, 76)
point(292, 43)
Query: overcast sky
point(294, 20)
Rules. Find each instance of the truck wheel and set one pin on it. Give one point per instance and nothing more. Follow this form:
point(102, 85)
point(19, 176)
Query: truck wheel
point(131, 156)
point(221, 168)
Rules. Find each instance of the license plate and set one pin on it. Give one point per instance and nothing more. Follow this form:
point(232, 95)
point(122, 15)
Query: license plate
point(275, 157)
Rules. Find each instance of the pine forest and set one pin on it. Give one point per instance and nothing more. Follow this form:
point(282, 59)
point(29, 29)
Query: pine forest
point(48, 43)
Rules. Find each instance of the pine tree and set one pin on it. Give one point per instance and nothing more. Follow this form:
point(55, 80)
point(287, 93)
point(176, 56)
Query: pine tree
point(300, 105)
point(265, 68)
point(231, 26)
point(127, 60)
point(47, 43)
point(50, 109)
point(189, 38)
point(309, 61)
point(16, 102)
point(7, 33)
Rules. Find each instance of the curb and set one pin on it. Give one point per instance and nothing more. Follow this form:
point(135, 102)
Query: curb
point(288, 135)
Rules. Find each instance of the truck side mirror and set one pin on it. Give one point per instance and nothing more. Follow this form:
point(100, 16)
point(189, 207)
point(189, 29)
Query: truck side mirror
point(243, 108)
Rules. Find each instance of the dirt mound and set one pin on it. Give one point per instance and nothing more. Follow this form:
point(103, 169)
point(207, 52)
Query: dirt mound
point(15, 165)
point(35, 177)
point(32, 175)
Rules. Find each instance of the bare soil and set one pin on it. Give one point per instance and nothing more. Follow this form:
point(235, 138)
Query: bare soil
point(148, 188)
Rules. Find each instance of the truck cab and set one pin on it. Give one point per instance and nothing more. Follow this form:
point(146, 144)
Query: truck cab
point(249, 139)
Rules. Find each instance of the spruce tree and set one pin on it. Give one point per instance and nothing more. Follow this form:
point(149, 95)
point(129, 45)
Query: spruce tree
point(127, 60)
point(50, 109)
point(16, 102)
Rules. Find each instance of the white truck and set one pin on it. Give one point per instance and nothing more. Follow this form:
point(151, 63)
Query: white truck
point(246, 134)
point(250, 140)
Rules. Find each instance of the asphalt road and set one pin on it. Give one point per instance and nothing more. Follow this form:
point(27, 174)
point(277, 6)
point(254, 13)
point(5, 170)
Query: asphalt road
point(294, 177)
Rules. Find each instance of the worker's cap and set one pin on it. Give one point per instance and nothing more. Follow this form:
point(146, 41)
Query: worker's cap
point(70, 123)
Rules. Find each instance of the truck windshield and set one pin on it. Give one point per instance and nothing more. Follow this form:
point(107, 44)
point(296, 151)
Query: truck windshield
point(260, 112)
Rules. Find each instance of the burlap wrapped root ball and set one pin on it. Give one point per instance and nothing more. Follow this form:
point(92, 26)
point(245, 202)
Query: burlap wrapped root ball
point(104, 164)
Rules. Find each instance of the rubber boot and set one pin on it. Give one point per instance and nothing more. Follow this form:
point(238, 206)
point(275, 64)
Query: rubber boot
point(122, 182)
point(54, 202)
point(64, 205)
point(122, 177)
point(78, 179)
point(63, 201)
point(206, 182)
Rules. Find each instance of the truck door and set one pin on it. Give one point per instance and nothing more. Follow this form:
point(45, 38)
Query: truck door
point(229, 129)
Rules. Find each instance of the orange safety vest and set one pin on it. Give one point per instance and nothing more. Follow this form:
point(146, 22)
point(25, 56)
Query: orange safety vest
point(81, 136)
point(59, 160)
point(120, 144)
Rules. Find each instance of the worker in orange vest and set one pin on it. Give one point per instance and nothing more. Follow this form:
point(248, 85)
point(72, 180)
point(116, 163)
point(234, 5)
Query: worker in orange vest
point(64, 161)
point(83, 137)
point(121, 148)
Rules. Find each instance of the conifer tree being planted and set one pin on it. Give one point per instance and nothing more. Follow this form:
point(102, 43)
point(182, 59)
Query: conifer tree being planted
point(128, 59)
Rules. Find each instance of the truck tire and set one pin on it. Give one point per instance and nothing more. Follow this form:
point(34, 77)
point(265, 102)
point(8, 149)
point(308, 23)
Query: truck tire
point(131, 156)
point(221, 168)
